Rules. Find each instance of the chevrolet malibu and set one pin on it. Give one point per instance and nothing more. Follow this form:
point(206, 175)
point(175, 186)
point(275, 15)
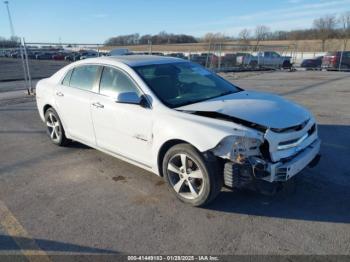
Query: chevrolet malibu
point(179, 121)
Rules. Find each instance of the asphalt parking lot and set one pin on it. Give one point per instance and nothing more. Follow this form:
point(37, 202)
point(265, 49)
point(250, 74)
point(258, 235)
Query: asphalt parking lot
point(78, 200)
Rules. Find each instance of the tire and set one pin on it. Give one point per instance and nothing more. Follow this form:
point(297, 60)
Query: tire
point(253, 64)
point(287, 65)
point(54, 128)
point(200, 182)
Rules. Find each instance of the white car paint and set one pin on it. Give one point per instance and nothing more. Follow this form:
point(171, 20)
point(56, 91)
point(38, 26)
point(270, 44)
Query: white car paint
point(137, 134)
point(261, 108)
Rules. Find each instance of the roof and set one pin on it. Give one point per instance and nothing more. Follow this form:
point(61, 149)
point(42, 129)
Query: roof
point(140, 60)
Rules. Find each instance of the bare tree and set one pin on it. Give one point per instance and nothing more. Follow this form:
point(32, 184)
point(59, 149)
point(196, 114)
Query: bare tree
point(325, 28)
point(261, 33)
point(344, 21)
point(214, 37)
point(244, 36)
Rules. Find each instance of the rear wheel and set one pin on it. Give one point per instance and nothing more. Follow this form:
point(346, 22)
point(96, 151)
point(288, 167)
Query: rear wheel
point(54, 128)
point(287, 65)
point(253, 64)
point(193, 178)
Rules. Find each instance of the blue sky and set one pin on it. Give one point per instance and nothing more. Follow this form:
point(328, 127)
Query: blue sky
point(93, 21)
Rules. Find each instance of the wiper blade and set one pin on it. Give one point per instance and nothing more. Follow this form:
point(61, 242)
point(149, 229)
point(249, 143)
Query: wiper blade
point(188, 102)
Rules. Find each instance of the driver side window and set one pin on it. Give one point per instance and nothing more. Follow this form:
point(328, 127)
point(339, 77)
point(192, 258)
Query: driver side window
point(113, 82)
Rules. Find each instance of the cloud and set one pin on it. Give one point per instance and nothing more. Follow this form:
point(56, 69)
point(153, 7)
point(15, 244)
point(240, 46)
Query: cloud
point(292, 17)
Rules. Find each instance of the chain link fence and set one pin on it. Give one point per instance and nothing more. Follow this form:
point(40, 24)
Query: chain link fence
point(28, 61)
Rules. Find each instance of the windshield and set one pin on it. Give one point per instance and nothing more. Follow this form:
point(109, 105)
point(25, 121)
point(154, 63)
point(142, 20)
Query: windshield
point(183, 83)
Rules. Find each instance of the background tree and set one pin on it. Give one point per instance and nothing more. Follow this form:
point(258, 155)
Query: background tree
point(244, 36)
point(344, 21)
point(261, 34)
point(214, 38)
point(8, 43)
point(325, 28)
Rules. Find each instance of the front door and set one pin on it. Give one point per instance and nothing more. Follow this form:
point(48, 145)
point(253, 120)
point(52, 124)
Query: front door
point(124, 129)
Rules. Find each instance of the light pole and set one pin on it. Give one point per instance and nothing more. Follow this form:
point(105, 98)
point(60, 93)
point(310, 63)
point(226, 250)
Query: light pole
point(10, 19)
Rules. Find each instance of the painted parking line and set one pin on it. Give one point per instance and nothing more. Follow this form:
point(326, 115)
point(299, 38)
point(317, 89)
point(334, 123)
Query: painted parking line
point(14, 229)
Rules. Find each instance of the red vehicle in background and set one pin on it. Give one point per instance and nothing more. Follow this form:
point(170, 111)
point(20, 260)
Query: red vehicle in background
point(336, 60)
point(58, 56)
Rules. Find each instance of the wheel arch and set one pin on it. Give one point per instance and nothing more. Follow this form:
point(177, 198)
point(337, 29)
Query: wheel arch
point(164, 148)
point(46, 107)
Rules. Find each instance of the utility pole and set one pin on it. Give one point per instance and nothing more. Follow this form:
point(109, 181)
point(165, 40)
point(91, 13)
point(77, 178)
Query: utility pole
point(10, 19)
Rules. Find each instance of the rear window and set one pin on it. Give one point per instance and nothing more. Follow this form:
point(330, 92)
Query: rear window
point(66, 79)
point(83, 77)
point(346, 54)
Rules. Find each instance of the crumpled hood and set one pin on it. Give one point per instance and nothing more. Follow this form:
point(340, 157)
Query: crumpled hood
point(260, 108)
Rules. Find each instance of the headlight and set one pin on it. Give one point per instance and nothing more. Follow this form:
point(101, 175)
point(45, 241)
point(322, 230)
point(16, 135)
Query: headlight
point(237, 148)
point(244, 147)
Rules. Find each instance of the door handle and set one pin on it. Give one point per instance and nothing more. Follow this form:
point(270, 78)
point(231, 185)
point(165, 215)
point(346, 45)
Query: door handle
point(98, 105)
point(59, 94)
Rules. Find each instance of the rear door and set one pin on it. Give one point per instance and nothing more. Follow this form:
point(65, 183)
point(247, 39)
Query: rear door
point(73, 99)
point(275, 59)
point(346, 60)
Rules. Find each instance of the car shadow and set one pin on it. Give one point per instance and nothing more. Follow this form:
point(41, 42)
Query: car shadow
point(77, 145)
point(12, 243)
point(318, 194)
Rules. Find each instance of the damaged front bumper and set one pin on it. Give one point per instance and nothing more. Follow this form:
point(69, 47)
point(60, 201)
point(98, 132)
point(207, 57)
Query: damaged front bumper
point(282, 171)
point(241, 175)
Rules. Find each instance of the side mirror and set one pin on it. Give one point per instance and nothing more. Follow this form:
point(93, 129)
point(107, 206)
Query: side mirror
point(128, 98)
point(133, 98)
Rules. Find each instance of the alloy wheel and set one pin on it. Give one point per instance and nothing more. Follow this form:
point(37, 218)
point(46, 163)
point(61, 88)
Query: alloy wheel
point(53, 127)
point(185, 176)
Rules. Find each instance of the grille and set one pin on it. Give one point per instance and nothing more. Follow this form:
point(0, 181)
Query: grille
point(295, 142)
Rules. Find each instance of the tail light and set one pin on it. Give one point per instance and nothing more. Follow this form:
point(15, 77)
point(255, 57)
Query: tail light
point(330, 60)
point(333, 60)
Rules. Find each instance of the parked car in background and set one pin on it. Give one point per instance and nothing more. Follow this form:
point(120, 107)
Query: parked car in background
point(265, 59)
point(312, 63)
point(119, 51)
point(336, 61)
point(43, 56)
point(88, 54)
point(72, 57)
point(15, 54)
point(199, 59)
point(58, 56)
point(178, 55)
point(157, 53)
point(205, 59)
point(32, 55)
point(229, 60)
point(180, 121)
point(243, 59)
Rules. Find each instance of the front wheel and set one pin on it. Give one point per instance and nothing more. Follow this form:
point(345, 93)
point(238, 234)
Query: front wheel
point(192, 177)
point(54, 128)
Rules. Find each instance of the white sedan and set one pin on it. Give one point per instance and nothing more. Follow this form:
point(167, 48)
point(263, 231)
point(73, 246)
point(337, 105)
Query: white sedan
point(180, 121)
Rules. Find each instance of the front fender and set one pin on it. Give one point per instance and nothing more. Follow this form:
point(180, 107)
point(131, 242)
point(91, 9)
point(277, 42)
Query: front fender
point(201, 132)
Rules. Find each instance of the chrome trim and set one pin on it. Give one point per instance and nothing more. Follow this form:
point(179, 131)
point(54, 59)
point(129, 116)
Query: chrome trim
point(296, 143)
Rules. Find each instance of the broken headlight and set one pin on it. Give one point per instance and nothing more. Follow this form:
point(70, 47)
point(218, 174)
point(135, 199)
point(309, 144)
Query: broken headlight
point(237, 148)
point(243, 147)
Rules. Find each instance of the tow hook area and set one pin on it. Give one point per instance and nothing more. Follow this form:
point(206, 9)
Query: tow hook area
point(239, 175)
point(247, 175)
point(314, 162)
